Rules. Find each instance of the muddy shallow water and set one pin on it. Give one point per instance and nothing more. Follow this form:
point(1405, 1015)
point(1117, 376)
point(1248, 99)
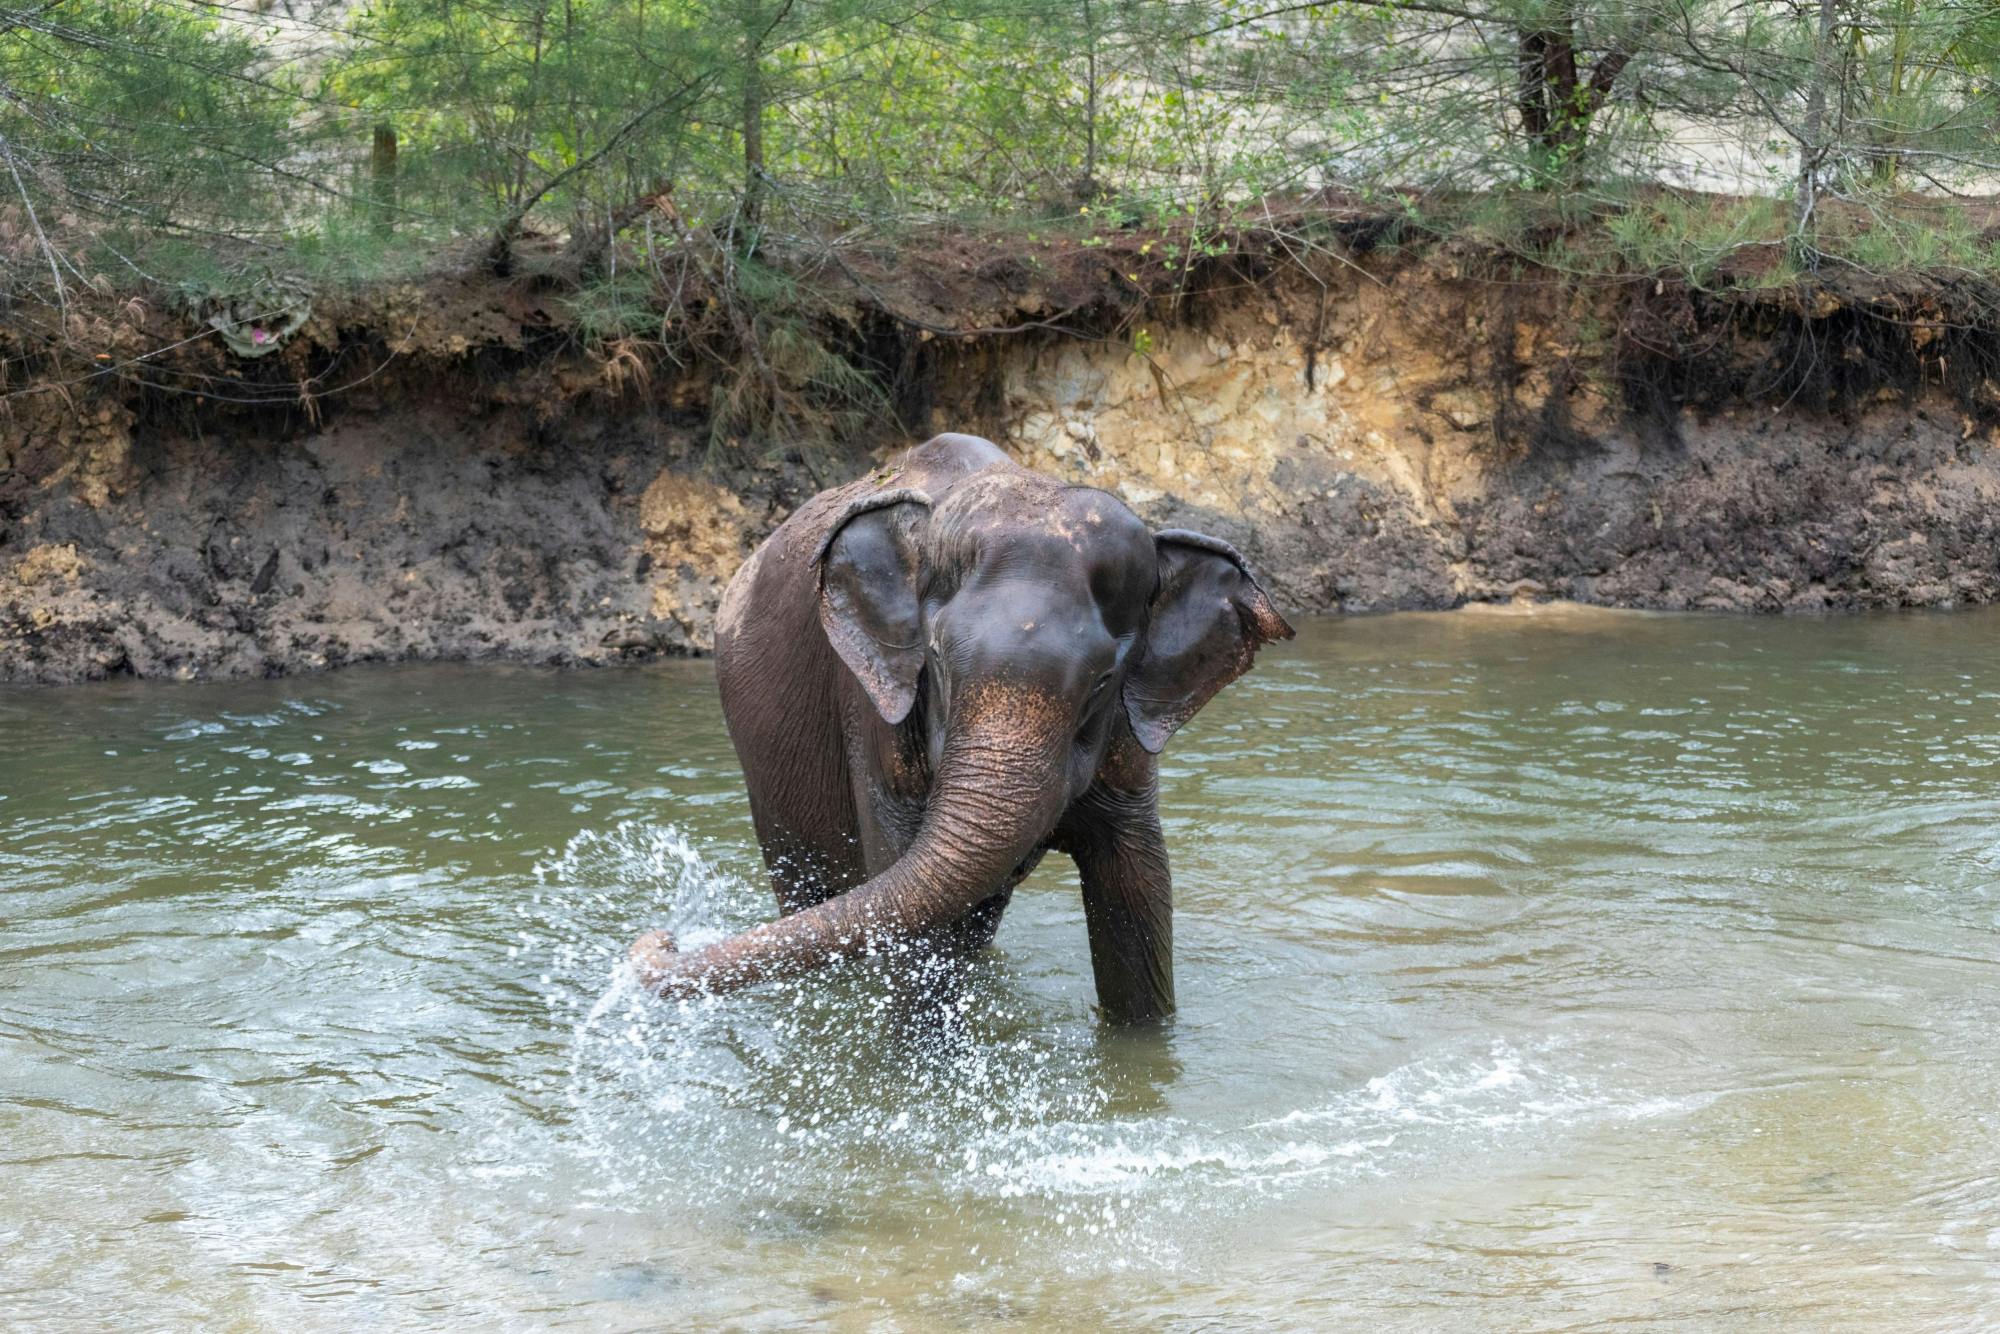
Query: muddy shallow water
point(1537, 970)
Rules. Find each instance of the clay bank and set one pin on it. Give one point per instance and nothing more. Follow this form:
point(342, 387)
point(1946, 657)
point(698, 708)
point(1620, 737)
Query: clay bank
point(448, 472)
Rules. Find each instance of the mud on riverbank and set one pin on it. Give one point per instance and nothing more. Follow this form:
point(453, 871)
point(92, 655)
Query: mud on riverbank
point(447, 472)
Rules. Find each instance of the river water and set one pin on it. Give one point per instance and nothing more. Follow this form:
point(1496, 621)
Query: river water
point(1537, 970)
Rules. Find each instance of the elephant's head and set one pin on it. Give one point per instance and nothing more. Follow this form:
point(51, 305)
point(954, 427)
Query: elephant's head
point(1028, 627)
point(1023, 637)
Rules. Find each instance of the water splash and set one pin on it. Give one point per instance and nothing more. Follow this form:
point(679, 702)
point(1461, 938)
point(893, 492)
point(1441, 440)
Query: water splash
point(1457, 1102)
point(904, 1074)
point(944, 1087)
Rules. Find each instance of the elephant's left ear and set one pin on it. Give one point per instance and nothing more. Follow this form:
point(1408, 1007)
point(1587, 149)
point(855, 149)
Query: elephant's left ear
point(1208, 618)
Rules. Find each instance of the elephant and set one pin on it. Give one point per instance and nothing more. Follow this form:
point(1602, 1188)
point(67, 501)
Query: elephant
point(936, 674)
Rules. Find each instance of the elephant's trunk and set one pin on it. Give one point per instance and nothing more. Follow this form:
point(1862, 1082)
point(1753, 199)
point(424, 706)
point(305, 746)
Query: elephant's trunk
point(997, 794)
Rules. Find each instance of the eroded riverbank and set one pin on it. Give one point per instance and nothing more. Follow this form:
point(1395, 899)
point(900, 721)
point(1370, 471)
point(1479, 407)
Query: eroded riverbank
point(1386, 435)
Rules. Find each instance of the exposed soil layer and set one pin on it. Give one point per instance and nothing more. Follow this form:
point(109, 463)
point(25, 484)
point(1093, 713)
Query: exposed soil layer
point(443, 472)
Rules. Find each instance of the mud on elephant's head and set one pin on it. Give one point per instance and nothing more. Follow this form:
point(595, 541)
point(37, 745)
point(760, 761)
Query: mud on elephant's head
point(1039, 616)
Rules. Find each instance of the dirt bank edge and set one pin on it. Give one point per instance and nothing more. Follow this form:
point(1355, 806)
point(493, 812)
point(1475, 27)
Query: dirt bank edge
point(1379, 433)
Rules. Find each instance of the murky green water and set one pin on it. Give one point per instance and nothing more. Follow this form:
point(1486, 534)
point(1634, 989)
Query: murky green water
point(1537, 971)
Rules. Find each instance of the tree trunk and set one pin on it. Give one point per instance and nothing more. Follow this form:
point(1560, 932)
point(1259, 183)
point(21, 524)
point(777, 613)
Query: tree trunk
point(1888, 167)
point(753, 117)
point(1557, 105)
point(1812, 149)
point(1089, 190)
point(382, 178)
point(1554, 110)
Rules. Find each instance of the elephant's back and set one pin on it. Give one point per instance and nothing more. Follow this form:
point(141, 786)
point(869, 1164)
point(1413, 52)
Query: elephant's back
point(945, 460)
point(772, 593)
point(770, 607)
point(732, 614)
point(773, 597)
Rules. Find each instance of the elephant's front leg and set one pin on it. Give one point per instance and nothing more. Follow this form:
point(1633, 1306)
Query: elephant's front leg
point(1128, 906)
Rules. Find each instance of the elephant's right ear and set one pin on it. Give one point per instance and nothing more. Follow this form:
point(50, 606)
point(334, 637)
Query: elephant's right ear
point(868, 595)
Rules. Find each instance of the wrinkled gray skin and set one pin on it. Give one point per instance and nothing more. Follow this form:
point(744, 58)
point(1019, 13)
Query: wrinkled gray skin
point(935, 675)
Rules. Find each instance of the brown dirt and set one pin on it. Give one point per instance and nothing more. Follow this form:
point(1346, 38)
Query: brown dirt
point(444, 471)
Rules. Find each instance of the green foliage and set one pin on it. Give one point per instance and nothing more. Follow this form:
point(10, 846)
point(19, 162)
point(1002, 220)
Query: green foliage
point(1918, 83)
point(949, 108)
point(343, 248)
point(439, 121)
point(609, 307)
point(507, 104)
point(795, 390)
point(639, 151)
point(1909, 239)
point(1694, 237)
point(126, 124)
point(152, 115)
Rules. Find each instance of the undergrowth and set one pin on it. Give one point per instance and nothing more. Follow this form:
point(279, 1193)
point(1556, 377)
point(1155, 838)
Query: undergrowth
point(810, 344)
